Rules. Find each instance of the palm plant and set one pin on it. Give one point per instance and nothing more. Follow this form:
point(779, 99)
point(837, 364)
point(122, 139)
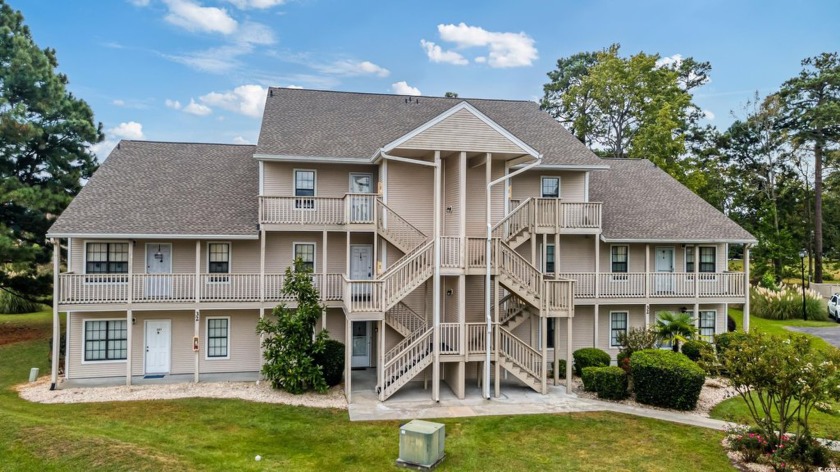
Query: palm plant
point(675, 328)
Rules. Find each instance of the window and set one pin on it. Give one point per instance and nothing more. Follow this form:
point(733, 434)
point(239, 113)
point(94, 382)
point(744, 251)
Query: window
point(551, 187)
point(707, 325)
point(217, 337)
point(305, 187)
point(707, 259)
point(106, 340)
point(306, 253)
point(618, 257)
point(618, 325)
point(106, 258)
point(549, 258)
point(218, 260)
point(550, 327)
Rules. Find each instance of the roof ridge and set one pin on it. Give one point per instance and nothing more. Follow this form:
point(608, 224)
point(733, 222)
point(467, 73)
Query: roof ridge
point(381, 94)
point(155, 141)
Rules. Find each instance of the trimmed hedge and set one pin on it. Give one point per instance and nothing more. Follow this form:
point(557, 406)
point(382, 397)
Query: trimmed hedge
point(693, 349)
point(724, 340)
point(589, 357)
point(331, 361)
point(666, 378)
point(610, 383)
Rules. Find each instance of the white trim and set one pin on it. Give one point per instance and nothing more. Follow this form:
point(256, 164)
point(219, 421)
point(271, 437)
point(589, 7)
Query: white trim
point(95, 241)
point(714, 320)
point(314, 254)
point(84, 335)
point(69, 254)
point(314, 182)
point(262, 178)
point(319, 159)
point(350, 182)
point(462, 106)
point(129, 236)
point(626, 326)
point(207, 262)
point(586, 186)
point(146, 255)
point(566, 166)
point(67, 339)
point(559, 185)
point(677, 241)
point(169, 367)
point(207, 337)
point(697, 263)
point(628, 258)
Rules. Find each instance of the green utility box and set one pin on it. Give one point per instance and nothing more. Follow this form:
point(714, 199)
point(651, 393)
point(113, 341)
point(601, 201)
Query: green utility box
point(421, 444)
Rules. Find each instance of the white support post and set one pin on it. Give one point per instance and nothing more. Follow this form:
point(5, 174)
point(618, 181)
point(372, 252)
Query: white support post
point(696, 272)
point(324, 278)
point(647, 271)
point(462, 206)
point(380, 356)
point(595, 328)
point(544, 345)
point(197, 333)
point(197, 285)
point(262, 269)
point(436, 283)
point(496, 341)
point(128, 344)
point(348, 345)
point(746, 319)
point(597, 269)
point(56, 347)
point(197, 327)
point(568, 354)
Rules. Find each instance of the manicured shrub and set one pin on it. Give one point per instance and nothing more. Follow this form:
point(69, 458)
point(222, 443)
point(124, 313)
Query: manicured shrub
point(610, 383)
point(561, 367)
point(666, 378)
point(590, 357)
point(693, 349)
point(331, 360)
point(786, 303)
point(724, 340)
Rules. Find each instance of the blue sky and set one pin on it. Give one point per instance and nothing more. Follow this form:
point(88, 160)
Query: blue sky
point(196, 70)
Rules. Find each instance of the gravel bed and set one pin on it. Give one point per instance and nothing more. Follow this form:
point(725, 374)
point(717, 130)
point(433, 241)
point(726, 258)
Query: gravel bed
point(262, 392)
point(714, 391)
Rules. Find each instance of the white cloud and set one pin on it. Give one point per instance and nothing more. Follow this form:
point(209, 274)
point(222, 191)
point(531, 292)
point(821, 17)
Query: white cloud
point(294, 87)
point(436, 54)
point(402, 88)
point(139, 3)
point(127, 130)
point(240, 140)
point(256, 4)
point(119, 103)
point(707, 114)
point(354, 68)
point(194, 17)
point(480, 60)
point(174, 104)
point(667, 61)
point(197, 109)
point(504, 49)
point(248, 100)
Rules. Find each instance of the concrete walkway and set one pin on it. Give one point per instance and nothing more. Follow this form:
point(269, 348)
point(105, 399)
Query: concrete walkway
point(165, 380)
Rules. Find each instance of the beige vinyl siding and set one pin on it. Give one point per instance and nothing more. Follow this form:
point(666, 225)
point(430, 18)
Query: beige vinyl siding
point(331, 180)
point(636, 257)
point(462, 131)
point(576, 253)
point(77, 368)
point(335, 324)
point(476, 201)
point(279, 247)
point(529, 184)
point(635, 319)
point(411, 194)
point(243, 345)
point(450, 302)
point(451, 192)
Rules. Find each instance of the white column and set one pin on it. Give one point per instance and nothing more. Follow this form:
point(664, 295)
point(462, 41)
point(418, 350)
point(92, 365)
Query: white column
point(544, 345)
point(696, 271)
point(324, 278)
point(197, 333)
point(56, 347)
point(348, 343)
point(597, 269)
point(128, 345)
point(497, 336)
point(595, 330)
point(197, 321)
point(436, 283)
point(568, 354)
point(746, 321)
point(647, 270)
point(262, 269)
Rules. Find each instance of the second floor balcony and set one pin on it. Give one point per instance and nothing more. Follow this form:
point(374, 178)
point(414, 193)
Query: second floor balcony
point(351, 209)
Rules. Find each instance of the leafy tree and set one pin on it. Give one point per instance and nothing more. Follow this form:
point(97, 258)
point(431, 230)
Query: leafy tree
point(573, 110)
point(674, 328)
point(450, 95)
point(45, 133)
point(289, 345)
point(811, 110)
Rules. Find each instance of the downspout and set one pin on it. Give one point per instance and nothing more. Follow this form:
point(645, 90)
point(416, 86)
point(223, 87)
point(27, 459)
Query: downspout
point(487, 316)
point(56, 345)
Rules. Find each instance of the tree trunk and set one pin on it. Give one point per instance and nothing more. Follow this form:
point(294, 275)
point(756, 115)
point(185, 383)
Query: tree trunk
point(818, 219)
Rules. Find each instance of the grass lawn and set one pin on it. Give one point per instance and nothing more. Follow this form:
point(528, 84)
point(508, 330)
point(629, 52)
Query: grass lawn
point(734, 409)
point(206, 434)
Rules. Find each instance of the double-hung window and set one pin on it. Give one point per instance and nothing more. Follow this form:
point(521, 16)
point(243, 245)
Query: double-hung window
point(106, 340)
point(618, 326)
point(618, 258)
point(306, 253)
point(550, 187)
point(707, 325)
point(218, 261)
point(106, 258)
point(549, 259)
point(707, 259)
point(305, 187)
point(218, 337)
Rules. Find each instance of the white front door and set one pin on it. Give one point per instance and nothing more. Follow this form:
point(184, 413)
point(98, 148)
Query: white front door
point(664, 270)
point(158, 346)
point(360, 205)
point(361, 268)
point(361, 344)
point(158, 266)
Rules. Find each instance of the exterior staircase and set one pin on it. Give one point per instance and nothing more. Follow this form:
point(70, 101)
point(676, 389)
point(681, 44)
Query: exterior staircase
point(406, 364)
point(522, 361)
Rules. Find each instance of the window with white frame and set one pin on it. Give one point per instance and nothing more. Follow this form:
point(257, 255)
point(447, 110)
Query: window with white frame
point(618, 326)
point(106, 340)
point(619, 256)
point(106, 258)
point(218, 260)
point(549, 258)
point(218, 337)
point(550, 187)
point(707, 325)
point(707, 259)
point(306, 253)
point(305, 187)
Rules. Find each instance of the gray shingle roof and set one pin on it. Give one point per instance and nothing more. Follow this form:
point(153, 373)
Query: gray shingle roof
point(339, 124)
point(643, 202)
point(168, 188)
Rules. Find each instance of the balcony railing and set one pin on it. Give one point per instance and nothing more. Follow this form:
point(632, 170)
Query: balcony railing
point(657, 284)
point(352, 208)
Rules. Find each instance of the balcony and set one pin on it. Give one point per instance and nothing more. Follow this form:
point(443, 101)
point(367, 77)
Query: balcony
point(657, 285)
point(351, 209)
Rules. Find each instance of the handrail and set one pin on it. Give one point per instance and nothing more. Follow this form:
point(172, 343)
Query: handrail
point(415, 343)
point(519, 219)
point(519, 269)
point(402, 279)
point(521, 354)
point(402, 345)
point(405, 232)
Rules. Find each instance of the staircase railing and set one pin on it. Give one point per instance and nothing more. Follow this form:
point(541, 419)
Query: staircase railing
point(405, 320)
point(450, 338)
point(403, 278)
point(408, 363)
point(521, 354)
point(512, 264)
point(518, 220)
point(559, 296)
point(402, 345)
point(397, 229)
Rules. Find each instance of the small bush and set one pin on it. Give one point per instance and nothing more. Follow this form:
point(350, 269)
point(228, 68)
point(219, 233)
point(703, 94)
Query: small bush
point(724, 340)
point(693, 349)
point(331, 360)
point(666, 378)
point(12, 304)
point(590, 357)
point(561, 367)
point(610, 383)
